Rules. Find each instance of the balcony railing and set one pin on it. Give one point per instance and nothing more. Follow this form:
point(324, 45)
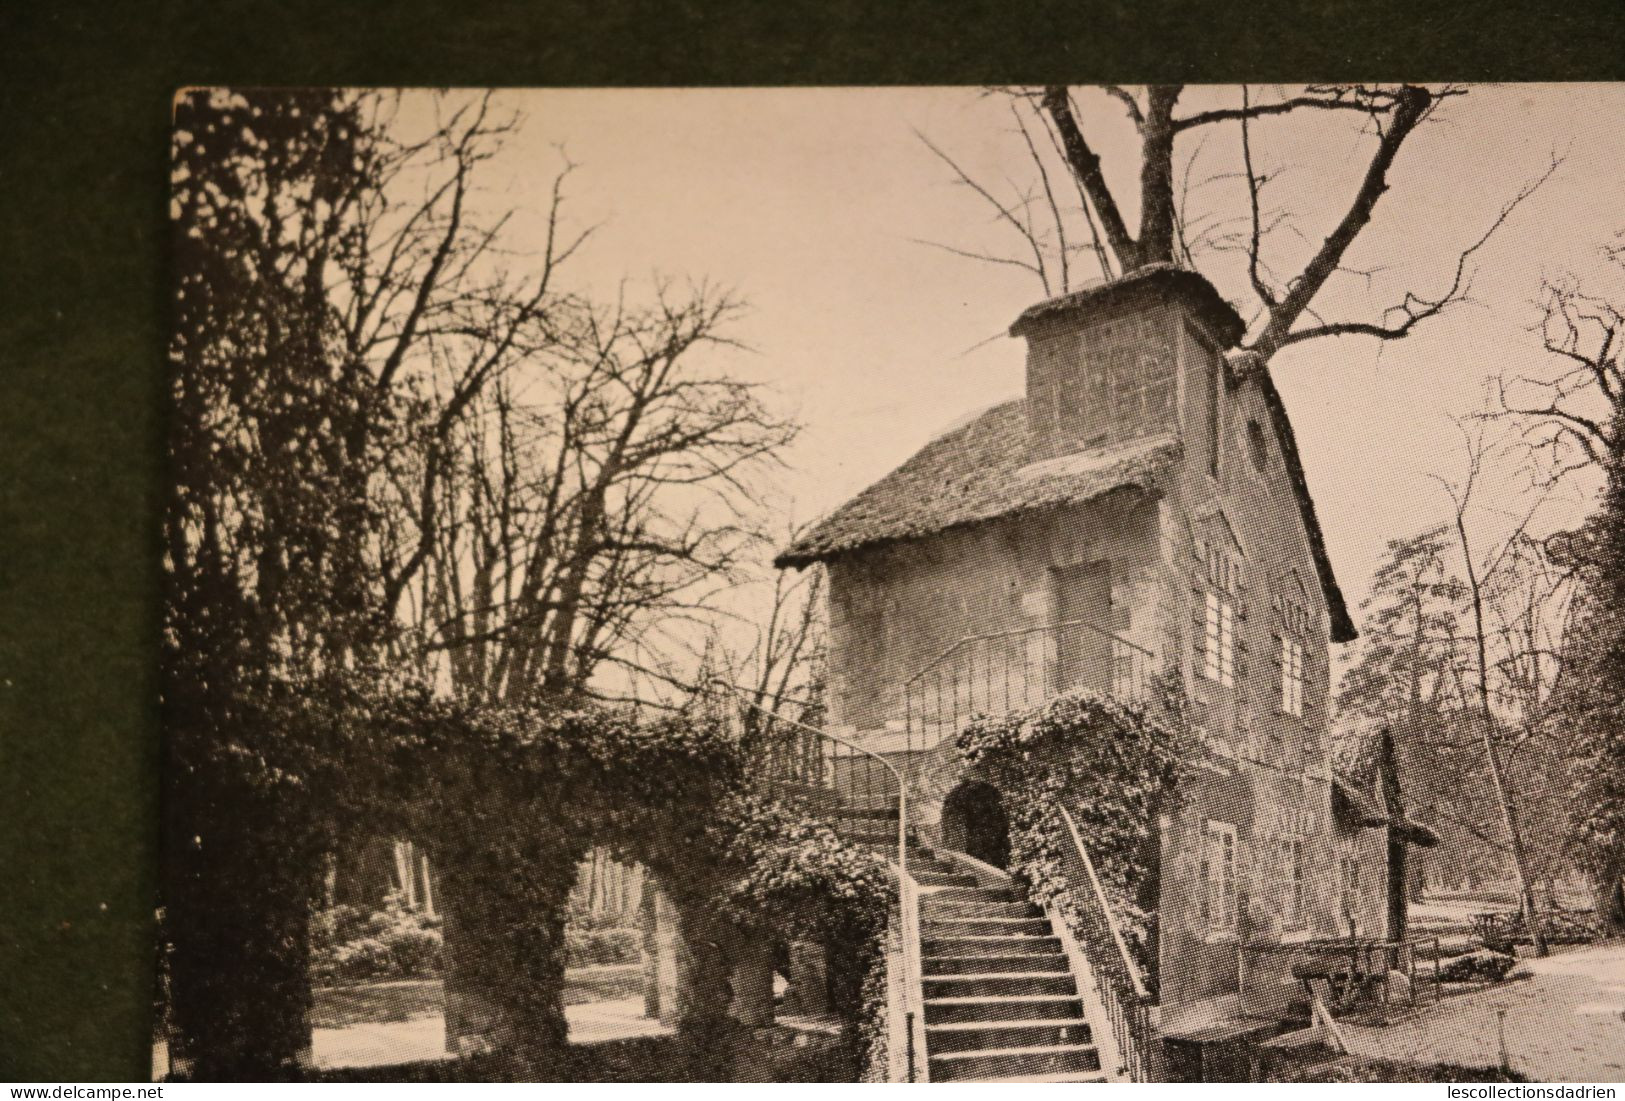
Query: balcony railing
point(1005, 671)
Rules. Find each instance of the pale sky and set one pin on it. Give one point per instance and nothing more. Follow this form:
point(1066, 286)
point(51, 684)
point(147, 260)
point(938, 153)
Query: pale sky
point(809, 203)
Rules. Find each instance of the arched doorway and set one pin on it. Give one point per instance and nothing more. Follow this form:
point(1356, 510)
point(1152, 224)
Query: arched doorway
point(974, 823)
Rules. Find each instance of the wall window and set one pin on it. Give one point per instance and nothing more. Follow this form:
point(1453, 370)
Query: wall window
point(1219, 638)
point(1219, 877)
point(1217, 608)
point(1291, 676)
point(1292, 883)
point(1257, 447)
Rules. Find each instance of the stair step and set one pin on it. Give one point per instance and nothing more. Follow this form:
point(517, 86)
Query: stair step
point(944, 879)
point(1002, 1062)
point(1007, 1007)
point(985, 926)
point(993, 985)
point(938, 966)
point(981, 1035)
point(976, 894)
point(1017, 944)
point(1063, 1076)
point(885, 813)
point(937, 907)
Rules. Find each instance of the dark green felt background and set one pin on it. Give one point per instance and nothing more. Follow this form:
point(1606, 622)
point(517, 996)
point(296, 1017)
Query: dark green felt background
point(84, 100)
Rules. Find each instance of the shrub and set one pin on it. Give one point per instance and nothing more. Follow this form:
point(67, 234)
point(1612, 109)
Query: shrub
point(1481, 965)
point(349, 944)
point(1115, 765)
point(591, 947)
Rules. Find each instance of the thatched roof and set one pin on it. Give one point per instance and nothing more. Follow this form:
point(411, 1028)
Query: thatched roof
point(976, 473)
point(965, 475)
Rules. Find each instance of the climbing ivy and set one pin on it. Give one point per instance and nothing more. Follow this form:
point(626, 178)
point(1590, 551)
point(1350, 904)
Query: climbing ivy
point(1114, 764)
point(800, 878)
point(509, 799)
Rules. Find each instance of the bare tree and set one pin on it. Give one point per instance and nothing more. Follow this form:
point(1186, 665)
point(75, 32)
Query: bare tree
point(773, 657)
point(1169, 233)
point(340, 308)
point(1571, 411)
point(1484, 579)
point(596, 503)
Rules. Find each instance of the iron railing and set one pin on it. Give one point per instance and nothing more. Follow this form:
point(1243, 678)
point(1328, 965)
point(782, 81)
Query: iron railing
point(908, 898)
point(1004, 671)
point(1122, 988)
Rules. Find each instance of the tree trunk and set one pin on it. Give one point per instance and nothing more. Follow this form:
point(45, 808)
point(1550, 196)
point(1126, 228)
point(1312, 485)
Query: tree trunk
point(1492, 755)
point(1610, 900)
point(1156, 244)
point(237, 916)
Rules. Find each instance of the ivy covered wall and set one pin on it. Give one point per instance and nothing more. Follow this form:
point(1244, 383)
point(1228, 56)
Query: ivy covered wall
point(508, 800)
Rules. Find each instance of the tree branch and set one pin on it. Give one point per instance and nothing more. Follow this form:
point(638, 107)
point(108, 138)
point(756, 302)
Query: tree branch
point(1085, 165)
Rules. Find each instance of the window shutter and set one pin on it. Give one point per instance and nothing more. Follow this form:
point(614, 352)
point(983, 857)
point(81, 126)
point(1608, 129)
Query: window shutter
point(1241, 656)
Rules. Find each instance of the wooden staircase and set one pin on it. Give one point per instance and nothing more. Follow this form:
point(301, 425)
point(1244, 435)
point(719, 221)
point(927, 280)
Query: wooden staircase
point(1001, 1002)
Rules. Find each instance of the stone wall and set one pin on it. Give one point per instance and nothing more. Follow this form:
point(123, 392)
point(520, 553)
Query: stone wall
point(1270, 776)
point(895, 609)
point(1101, 380)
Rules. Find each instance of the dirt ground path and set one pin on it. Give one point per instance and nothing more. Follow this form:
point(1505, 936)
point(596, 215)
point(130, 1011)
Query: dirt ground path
point(1565, 1022)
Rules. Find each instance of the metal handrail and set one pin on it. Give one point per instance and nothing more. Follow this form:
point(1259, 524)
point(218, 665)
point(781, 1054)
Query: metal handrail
point(902, 788)
point(907, 888)
point(995, 672)
point(1127, 1010)
point(966, 640)
point(1129, 965)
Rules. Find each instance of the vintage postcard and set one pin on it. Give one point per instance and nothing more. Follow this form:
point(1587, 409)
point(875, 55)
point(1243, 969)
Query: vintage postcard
point(1082, 584)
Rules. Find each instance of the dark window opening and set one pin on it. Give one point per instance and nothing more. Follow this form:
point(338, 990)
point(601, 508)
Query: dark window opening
point(1256, 446)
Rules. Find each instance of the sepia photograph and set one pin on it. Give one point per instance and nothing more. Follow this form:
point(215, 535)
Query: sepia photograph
point(1012, 584)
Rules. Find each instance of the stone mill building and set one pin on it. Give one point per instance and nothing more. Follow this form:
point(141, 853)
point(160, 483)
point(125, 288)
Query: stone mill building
point(1141, 512)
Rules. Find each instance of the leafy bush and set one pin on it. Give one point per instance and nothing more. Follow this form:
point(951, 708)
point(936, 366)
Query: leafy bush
point(1481, 965)
point(349, 944)
point(1386, 1070)
point(591, 947)
point(1115, 765)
